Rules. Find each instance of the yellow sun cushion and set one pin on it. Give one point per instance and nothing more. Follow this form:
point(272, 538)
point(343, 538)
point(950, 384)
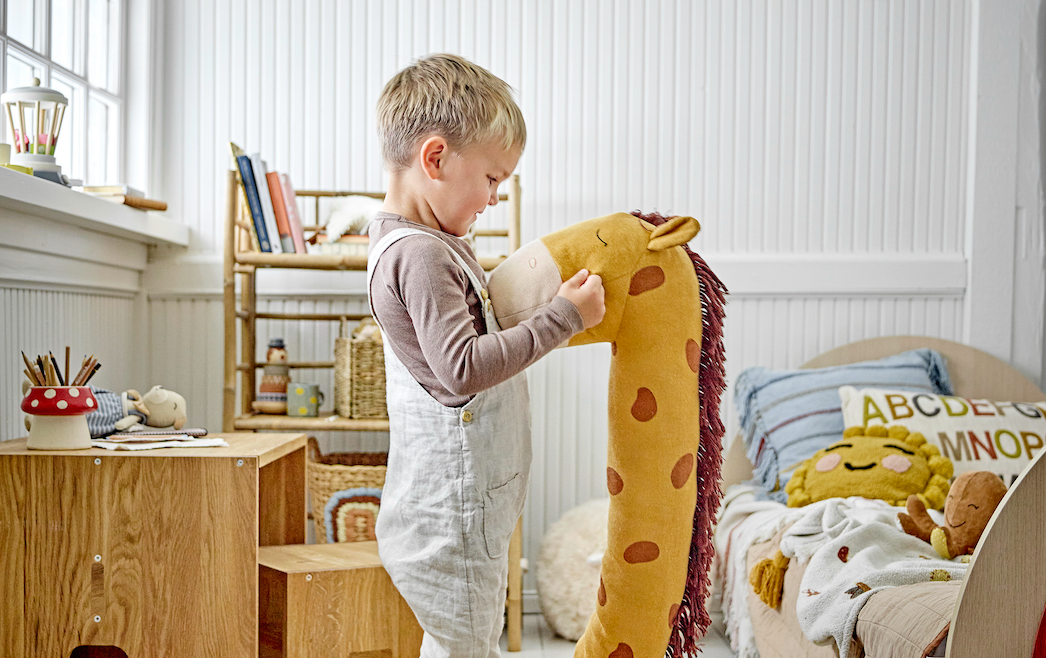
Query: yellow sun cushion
point(876, 462)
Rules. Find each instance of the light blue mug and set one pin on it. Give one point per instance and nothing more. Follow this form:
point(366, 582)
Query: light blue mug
point(303, 399)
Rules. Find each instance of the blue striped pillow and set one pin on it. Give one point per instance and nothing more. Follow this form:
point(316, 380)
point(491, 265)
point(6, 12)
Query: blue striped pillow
point(788, 415)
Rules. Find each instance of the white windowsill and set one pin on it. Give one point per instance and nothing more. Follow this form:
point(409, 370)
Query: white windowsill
point(36, 196)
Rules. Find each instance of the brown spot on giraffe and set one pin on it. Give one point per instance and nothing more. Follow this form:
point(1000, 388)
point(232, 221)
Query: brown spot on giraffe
point(646, 279)
point(602, 592)
point(622, 651)
point(613, 348)
point(693, 354)
point(645, 406)
point(682, 470)
point(673, 613)
point(642, 551)
point(614, 482)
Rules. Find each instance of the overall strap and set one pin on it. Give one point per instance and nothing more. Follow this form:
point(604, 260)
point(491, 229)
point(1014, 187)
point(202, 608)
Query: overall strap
point(394, 236)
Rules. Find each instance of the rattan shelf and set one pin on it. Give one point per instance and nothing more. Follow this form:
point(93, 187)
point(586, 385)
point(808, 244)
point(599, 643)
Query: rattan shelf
point(318, 424)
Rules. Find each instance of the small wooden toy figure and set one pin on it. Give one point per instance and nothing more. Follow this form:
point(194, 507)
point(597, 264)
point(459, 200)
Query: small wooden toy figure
point(272, 393)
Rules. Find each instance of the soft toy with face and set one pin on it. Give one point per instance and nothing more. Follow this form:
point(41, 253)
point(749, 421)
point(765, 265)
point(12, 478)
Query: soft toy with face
point(970, 504)
point(875, 462)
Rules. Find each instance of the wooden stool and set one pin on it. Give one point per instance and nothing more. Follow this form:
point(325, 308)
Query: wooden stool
point(322, 600)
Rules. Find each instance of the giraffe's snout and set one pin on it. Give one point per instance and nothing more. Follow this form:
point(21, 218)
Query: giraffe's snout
point(522, 284)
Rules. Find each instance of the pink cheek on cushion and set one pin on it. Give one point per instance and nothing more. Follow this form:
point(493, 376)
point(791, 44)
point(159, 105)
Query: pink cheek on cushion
point(896, 463)
point(828, 462)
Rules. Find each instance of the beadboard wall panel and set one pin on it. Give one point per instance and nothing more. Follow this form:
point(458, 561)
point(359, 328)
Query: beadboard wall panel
point(791, 126)
point(36, 320)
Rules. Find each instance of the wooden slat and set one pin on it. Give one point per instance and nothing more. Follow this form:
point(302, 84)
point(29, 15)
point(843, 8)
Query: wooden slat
point(13, 476)
point(265, 447)
point(290, 364)
point(281, 501)
point(321, 423)
point(335, 317)
point(229, 304)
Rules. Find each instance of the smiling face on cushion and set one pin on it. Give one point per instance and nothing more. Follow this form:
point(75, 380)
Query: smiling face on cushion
point(888, 464)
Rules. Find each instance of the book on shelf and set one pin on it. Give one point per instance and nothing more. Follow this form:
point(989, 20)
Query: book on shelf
point(249, 186)
point(259, 168)
point(290, 200)
point(280, 210)
point(135, 201)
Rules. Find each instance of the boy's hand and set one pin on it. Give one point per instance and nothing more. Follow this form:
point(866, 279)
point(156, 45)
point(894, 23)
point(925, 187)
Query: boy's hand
point(586, 293)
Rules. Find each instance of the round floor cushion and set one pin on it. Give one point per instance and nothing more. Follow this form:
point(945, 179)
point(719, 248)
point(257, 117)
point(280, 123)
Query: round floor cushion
point(568, 567)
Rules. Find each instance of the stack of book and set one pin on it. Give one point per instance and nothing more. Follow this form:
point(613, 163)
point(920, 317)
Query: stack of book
point(272, 205)
point(124, 194)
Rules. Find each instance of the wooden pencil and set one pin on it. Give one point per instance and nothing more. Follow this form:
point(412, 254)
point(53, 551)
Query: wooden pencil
point(83, 370)
point(57, 370)
point(95, 369)
point(31, 378)
point(67, 380)
point(29, 365)
point(87, 371)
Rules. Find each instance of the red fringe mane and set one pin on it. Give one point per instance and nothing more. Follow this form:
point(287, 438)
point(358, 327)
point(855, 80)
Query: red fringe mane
point(693, 620)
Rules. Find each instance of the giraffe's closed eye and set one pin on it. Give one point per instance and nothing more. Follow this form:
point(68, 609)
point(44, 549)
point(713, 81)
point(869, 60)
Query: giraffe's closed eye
point(601, 239)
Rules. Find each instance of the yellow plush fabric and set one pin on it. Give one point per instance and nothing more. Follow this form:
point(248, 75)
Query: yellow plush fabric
point(875, 462)
point(653, 322)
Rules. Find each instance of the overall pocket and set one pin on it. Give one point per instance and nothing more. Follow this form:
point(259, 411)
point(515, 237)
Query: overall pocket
point(501, 509)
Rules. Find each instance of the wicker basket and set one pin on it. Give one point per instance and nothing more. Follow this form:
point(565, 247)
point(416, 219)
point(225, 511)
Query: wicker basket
point(343, 372)
point(337, 471)
point(367, 365)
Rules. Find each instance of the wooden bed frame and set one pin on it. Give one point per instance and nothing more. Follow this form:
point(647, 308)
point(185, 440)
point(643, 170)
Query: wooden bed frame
point(1002, 600)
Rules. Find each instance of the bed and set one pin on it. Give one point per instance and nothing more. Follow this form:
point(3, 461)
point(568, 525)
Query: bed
point(998, 606)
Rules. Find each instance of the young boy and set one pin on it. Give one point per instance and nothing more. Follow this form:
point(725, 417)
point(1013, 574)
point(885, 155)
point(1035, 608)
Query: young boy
point(459, 412)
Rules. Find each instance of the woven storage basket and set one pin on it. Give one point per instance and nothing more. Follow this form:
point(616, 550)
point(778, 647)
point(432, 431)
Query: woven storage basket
point(368, 371)
point(343, 372)
point(338, 471)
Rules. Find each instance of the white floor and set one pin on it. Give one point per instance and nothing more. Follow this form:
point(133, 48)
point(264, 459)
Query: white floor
point(540, 642)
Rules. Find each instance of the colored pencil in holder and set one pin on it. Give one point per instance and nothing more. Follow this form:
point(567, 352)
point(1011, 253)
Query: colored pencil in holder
point(97, 367)
point(57, 370)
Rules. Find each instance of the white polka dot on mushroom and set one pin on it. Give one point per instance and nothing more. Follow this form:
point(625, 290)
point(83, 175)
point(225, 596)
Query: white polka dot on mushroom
point(34, 403)
point(90, 402)
point(50, 393)
point(74, 392)
point(62, 404)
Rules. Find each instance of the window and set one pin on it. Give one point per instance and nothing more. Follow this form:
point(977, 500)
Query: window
point(74, 47)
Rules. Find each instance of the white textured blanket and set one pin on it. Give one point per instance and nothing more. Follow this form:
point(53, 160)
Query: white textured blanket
point(856, 548)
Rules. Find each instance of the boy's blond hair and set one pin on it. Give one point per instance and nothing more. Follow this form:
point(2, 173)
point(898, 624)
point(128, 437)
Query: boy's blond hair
point(449, 96)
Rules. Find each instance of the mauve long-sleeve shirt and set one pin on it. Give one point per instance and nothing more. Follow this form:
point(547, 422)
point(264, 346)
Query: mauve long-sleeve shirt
point(433, 318)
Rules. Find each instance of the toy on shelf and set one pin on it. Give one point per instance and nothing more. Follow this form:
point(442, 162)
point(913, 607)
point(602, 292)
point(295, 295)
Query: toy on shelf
point(118, 412)
point(970, 504)
point(35, 139)
point(272, 392)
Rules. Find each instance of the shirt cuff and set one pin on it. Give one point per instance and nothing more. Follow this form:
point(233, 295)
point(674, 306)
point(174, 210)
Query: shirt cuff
point(565, 309)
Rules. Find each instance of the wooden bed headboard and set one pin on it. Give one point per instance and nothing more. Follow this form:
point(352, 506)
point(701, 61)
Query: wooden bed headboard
point(974, 374)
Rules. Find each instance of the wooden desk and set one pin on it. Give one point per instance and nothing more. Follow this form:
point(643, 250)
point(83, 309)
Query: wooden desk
point(154, 552)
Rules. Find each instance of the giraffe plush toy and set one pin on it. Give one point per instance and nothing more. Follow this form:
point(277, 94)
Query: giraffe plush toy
point(664, 452)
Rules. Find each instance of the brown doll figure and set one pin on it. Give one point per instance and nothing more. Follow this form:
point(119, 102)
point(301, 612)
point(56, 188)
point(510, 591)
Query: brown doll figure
point(272, 393)
point(971, 501)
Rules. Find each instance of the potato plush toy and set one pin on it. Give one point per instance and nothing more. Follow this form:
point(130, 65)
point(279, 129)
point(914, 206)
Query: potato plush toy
point(970, 504)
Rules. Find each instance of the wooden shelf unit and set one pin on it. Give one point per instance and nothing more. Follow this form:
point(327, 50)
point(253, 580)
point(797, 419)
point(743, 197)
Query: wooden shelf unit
point(240, 259)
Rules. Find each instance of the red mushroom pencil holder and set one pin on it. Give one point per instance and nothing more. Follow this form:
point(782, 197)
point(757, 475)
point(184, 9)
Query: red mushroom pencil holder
point(59, 417)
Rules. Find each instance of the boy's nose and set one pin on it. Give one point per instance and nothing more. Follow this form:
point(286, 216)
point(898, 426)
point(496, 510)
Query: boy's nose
point(493, 198)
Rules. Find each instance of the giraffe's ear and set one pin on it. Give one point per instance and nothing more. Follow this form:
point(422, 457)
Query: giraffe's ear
point(674, 232)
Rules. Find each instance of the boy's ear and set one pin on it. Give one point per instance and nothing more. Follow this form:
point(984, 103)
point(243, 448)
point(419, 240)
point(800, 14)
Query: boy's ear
point(433, 152)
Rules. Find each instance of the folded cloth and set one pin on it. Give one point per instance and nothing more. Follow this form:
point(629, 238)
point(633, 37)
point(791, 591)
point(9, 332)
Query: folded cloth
point(743, 521)
point(182, 441)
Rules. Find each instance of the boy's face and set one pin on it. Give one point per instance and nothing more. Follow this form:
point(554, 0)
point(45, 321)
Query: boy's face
point(468, 183)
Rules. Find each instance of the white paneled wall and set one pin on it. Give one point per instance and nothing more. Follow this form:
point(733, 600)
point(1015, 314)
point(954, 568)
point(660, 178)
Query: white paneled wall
point(36, 321)
point(797, 131)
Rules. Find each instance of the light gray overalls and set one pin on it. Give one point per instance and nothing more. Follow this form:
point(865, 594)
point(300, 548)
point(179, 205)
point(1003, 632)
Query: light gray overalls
point(456, 482)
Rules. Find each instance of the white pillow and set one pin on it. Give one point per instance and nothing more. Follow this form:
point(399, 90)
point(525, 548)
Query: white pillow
point(977, 435)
